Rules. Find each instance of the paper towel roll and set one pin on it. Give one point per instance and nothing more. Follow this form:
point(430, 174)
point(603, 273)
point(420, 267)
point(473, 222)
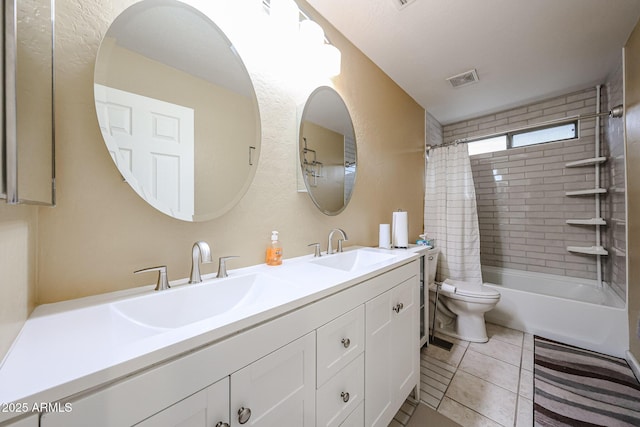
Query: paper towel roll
point(400, 230)
point(384, 240)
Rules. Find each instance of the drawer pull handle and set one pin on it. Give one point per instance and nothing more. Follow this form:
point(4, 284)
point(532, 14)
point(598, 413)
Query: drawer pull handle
point(243, 415)
point(346, 342)
point(222, 424)
point(398, 307)
point(345, 396)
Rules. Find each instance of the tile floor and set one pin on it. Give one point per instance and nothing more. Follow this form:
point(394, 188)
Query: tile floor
point(489, 384)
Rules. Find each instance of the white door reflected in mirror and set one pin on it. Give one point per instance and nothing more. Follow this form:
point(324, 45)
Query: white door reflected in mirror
point(152, 143)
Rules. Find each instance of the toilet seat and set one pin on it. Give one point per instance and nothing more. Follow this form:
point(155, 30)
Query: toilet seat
point(471, 290)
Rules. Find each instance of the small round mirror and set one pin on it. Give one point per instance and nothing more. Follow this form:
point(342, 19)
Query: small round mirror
point(327, 145)
point(177, 109)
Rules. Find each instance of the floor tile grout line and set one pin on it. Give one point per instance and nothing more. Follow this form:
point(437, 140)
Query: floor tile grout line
point(515, 415)
point(454, 374)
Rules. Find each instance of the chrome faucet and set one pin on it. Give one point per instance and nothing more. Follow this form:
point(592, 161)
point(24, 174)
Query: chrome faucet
point(317, 252)
point(163, 282)
point(329, 244)
point(222, 266)
point(199, 253)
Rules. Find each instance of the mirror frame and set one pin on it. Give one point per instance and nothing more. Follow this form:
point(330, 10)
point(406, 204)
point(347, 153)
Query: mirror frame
point(254, 142)
point(14, 161)
point(302, 145)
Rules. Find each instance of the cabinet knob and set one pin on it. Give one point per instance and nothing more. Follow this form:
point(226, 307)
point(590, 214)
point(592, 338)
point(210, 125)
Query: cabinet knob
point(345, 396)
point(346, 342)
point(431, 258)
point(222, 424)
point(243, 415)
point(398, 307)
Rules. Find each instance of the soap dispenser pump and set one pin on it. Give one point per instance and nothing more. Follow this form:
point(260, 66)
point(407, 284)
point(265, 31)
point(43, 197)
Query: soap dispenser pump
point(274, 251)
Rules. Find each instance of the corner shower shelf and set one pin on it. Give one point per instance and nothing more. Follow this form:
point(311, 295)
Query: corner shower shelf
point(586, 162)
point(589, 250)
point(597, 221)
point(592, 221)
point(586, 192)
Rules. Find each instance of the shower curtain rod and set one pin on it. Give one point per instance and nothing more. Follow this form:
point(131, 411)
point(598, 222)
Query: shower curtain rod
point(615, 112)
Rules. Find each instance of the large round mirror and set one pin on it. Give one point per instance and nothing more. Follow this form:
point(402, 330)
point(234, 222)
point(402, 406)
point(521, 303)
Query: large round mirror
point(177, 109)
point(327, 145)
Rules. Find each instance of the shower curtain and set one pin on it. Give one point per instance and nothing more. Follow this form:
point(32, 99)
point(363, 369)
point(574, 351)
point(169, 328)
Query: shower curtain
point(450, 213)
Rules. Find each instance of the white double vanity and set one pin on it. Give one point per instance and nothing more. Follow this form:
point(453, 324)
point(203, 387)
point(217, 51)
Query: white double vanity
point(329, 341)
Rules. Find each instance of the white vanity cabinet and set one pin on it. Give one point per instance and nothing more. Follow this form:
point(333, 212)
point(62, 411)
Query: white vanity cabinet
point(392, 366)
point(277, 389)
point(347, 358)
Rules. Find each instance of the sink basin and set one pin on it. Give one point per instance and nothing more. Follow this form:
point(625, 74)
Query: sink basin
point(352, 260)
point(187, 304)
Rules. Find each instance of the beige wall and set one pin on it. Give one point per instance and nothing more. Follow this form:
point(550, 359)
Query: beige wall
point(101, 231)
point(632, 131)
point(18, 238)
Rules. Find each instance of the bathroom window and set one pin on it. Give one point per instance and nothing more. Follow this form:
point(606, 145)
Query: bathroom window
point(542, 135)
point(523, 138)
point(488, 145)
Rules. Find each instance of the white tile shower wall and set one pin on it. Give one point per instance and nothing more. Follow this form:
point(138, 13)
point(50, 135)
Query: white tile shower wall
point(434, 130)
point(522, 207)
point(614, 206)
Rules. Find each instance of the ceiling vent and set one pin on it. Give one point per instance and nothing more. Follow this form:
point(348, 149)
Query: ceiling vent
point(401, 4)
point(463, 79)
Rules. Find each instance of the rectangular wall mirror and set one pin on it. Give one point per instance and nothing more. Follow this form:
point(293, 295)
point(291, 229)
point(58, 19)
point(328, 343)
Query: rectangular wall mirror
point(27, 160)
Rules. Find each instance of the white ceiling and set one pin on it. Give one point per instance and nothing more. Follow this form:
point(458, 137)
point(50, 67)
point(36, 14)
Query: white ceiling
point(523, 50)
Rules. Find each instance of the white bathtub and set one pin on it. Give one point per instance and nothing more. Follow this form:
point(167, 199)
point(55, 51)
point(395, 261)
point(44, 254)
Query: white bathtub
point(565, 309)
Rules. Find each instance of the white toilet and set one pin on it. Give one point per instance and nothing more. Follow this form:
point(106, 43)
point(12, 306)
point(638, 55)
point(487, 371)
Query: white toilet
point(460, 314)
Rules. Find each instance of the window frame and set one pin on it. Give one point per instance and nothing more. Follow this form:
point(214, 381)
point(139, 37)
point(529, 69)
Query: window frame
point(510, 134)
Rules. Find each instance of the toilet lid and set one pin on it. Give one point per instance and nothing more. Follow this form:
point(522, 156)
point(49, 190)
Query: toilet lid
point(468, 289)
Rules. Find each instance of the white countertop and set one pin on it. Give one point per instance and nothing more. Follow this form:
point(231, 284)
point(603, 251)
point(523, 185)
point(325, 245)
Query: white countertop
point(69, 347)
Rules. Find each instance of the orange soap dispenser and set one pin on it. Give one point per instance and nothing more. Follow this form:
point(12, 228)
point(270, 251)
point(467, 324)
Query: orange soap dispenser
point(274, 251)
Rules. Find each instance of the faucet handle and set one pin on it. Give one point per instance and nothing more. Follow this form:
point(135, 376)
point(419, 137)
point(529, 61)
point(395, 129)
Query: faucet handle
point(222, 266)
point(163, 282)
point(316, 253)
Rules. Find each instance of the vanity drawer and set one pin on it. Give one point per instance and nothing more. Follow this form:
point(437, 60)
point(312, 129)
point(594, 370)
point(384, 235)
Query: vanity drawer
point(339, 342)
point(341, 395)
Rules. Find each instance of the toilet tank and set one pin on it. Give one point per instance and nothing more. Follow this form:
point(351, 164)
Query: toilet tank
point(432, 259)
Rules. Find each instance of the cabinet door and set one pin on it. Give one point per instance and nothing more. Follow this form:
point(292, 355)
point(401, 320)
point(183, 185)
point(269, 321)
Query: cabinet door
point(279, 389)
point(356, 419)
point(206, 408)
point(392, 351)
point(379, 360)
point(406, 340)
